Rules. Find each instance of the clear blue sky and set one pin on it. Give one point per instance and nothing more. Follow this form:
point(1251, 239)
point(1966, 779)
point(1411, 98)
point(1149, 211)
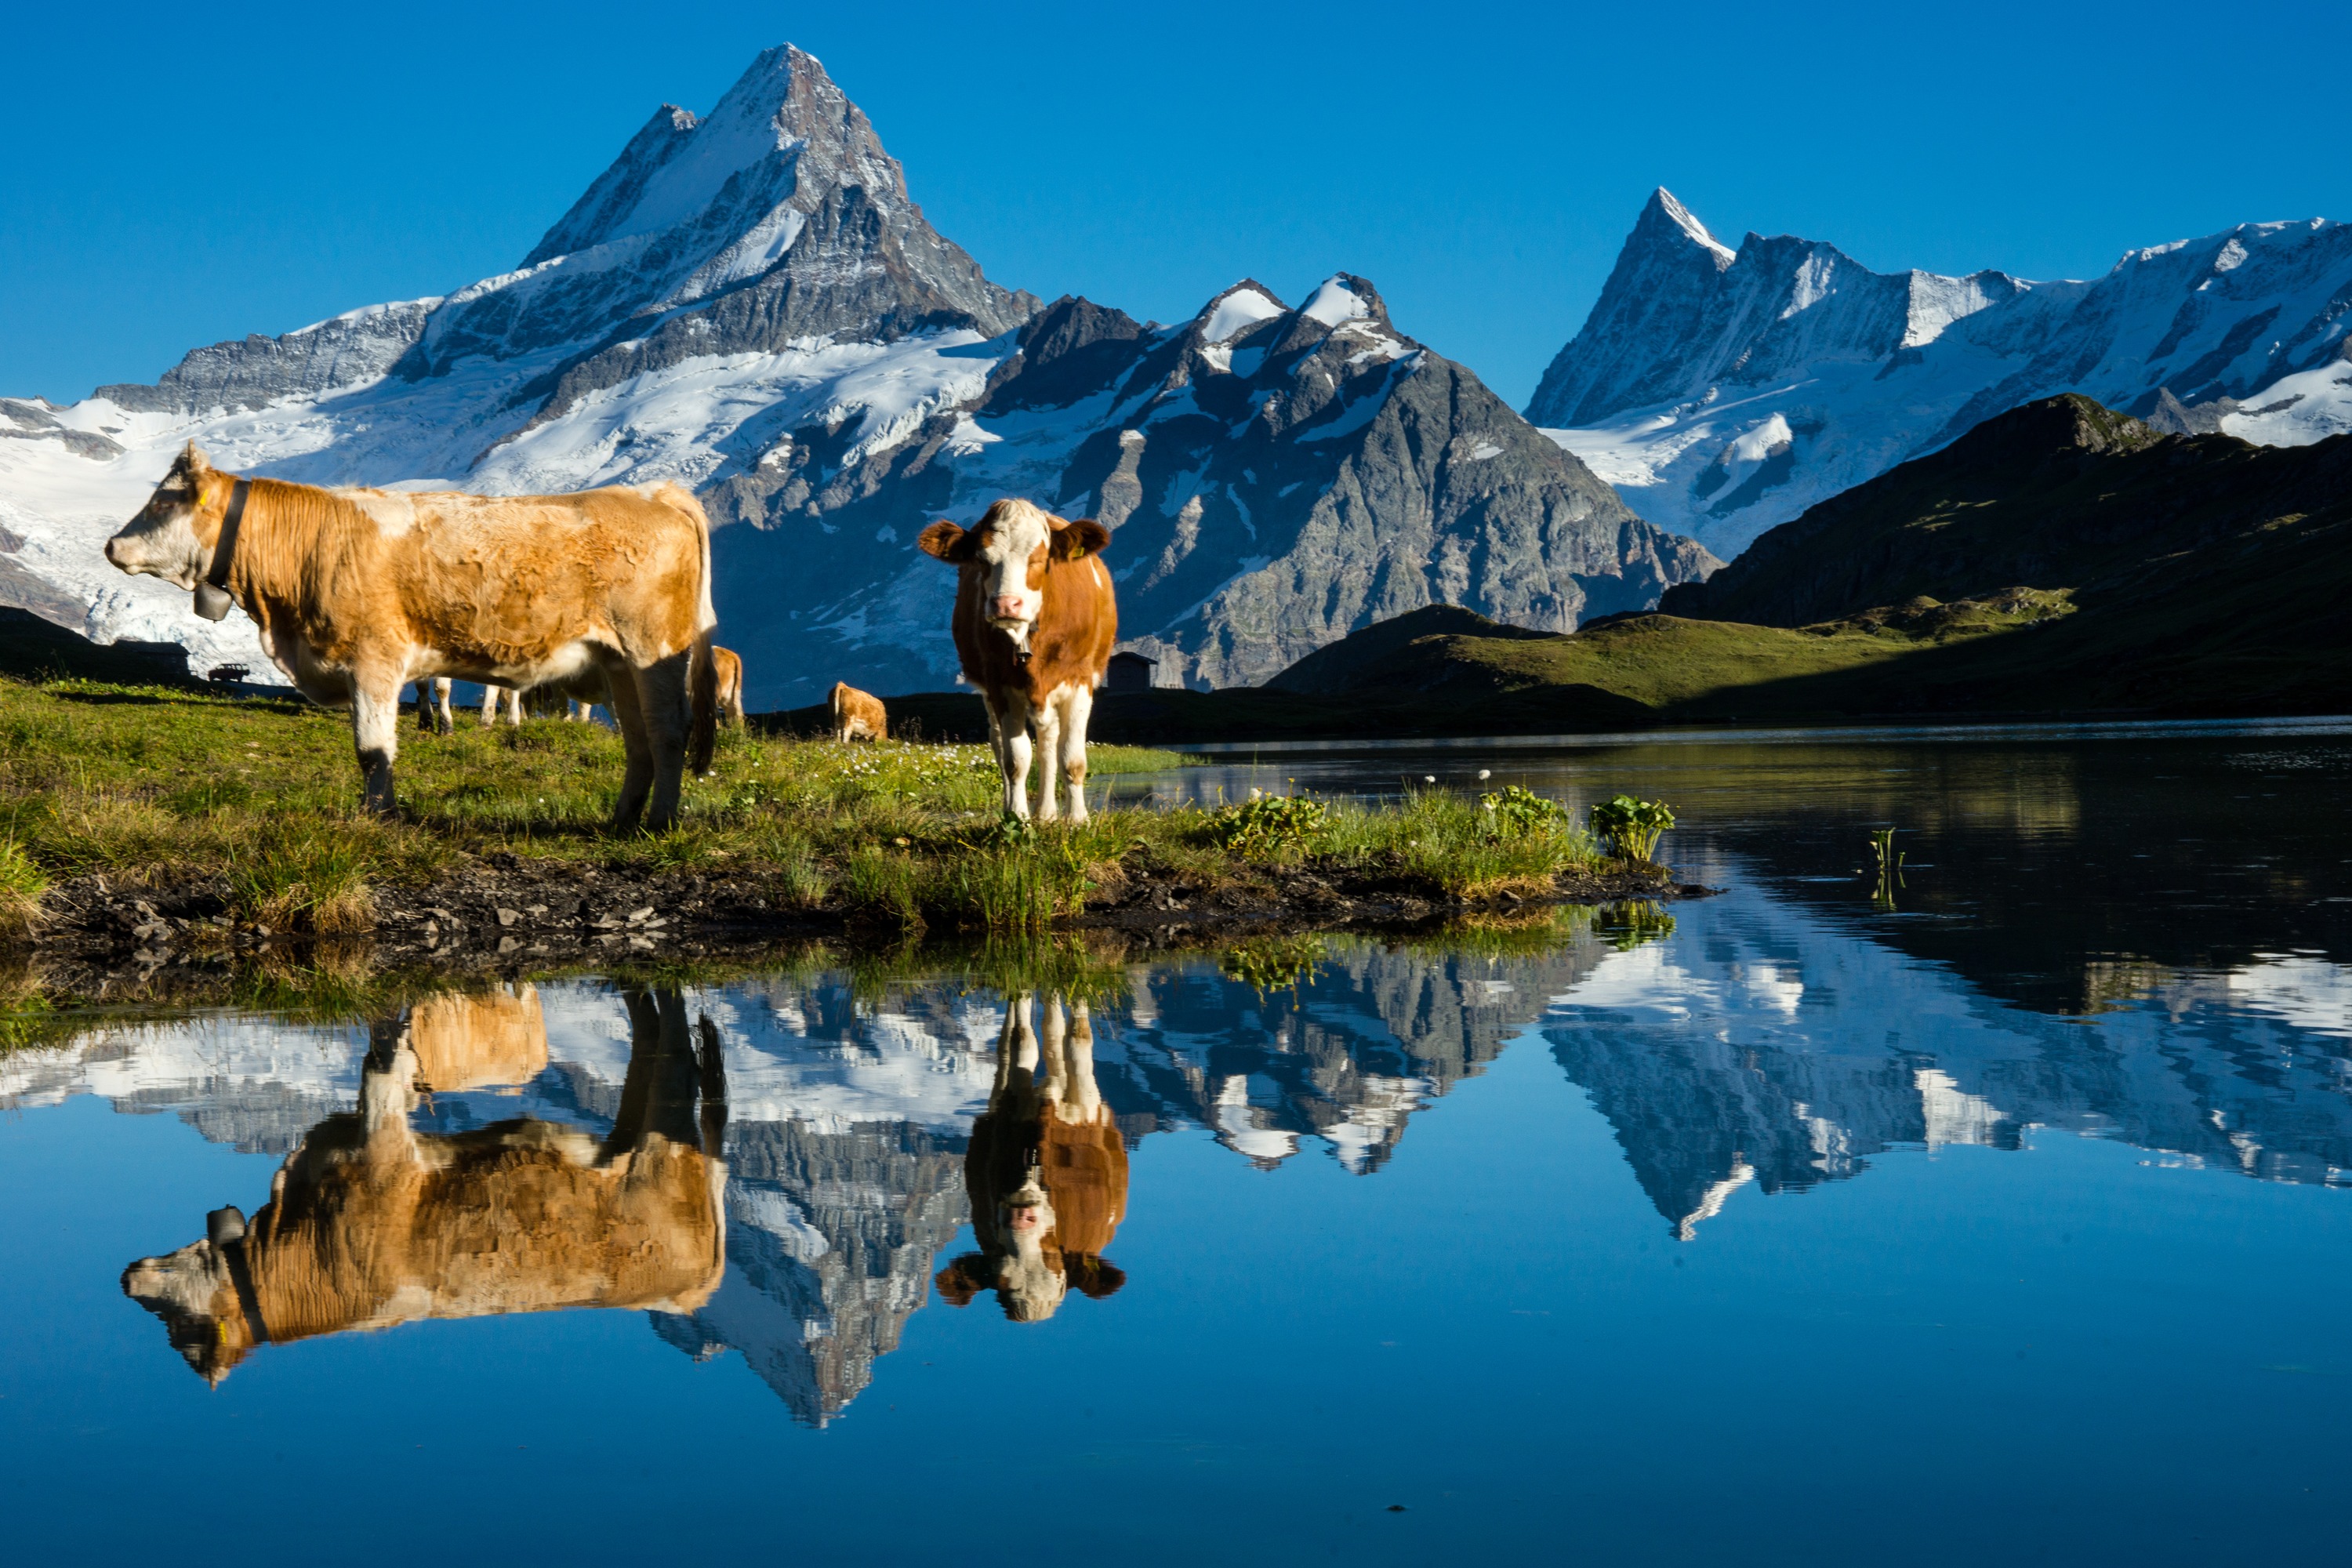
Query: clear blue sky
point(182, 174)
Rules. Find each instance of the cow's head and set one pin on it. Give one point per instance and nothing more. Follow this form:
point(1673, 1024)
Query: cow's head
point(1024, 1262)
point(194, 1291)
point(1010, 548)
point(173, 534)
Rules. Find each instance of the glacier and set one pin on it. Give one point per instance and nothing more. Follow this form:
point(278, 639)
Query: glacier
point(1723, 392)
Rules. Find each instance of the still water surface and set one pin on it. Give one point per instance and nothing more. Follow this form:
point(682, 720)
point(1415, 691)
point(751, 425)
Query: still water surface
point(2007, 1217)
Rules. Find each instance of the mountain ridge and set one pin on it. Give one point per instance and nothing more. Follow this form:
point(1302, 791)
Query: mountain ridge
point(750, 302)
point(1723, 392)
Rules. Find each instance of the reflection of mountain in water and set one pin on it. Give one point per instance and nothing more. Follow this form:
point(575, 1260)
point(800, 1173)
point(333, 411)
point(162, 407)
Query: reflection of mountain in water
point(830, 1239)
point(254, 1084)
point(1345, 1057)
point(844, 1154)
point(1768, 1047)
point(1763, 1045)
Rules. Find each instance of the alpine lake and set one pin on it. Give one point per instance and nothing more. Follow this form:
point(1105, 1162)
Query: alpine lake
point(1993, 1207)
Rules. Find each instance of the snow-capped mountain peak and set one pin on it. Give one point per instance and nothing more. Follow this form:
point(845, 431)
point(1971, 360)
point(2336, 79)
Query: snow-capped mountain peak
point(1662, 212)
point(1726, 392)
point(749, 303)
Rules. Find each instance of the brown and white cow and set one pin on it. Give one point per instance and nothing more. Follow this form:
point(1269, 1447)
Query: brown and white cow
point(372, 1223)
point(857, 715)
point(358, 592)
point(727, 667)
point(1045, 1171)
point(1035, 621)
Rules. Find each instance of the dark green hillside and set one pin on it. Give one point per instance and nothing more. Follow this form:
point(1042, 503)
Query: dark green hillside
point(1356, 662)
point(2060, 494)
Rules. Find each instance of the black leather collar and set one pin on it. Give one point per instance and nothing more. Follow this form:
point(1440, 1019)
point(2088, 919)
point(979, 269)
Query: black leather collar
point(213, 598)
point(224, 550)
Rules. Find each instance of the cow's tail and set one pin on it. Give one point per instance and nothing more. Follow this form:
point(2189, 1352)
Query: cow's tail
point(702, 673)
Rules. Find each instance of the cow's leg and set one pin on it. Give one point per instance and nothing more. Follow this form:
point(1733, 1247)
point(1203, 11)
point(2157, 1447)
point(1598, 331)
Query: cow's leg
point(1016, 1044)
point(1049, 747)
point(668, 710)
point(375, 732)
point(514, 707)
point(424, 705)
point(1083, 1091)
point(1077, 707)
point(1009, 730)
point(638, 780)
point(489, 705)
point(666, 1075)
point(1056, 1030)
point(443, 719)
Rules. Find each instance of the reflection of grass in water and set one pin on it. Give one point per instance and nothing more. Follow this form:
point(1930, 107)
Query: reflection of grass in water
point(1629, 925)
point(1080, 966)
point(335, 983)
point(1890, 867)
point(1520, 933)
point(1275, 963)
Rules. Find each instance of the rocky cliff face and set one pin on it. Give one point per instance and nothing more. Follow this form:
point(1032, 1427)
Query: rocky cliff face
point(1274, 478)
point(1723, 392)
point(350, 350)
point(752, 303)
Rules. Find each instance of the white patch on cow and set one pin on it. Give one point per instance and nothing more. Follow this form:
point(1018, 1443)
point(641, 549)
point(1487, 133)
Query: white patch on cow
point(393, 515)
point(1017, 530)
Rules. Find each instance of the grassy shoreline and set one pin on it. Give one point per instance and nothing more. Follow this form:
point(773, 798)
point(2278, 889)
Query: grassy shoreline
point(253, 808)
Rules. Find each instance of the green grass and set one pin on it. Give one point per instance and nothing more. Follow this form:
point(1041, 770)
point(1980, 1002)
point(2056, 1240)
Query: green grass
point(261, 801)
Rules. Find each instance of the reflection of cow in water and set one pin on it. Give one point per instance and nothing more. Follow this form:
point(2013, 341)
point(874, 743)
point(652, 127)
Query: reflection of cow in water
point(371, 1222)
point(1046, 1171)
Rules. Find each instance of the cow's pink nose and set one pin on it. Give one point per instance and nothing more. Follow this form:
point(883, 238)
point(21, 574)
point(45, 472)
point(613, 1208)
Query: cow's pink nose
point(1008, 607)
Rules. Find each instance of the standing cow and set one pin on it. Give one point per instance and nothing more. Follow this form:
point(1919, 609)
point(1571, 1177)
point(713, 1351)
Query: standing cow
point(1034, 622)
point(857, 715)
point(358, 592)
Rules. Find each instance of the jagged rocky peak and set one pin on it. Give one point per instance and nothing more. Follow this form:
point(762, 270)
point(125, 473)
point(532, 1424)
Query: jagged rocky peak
point(777, 216)
point(1682, 313)
point(782, 129)
point(1724, 392)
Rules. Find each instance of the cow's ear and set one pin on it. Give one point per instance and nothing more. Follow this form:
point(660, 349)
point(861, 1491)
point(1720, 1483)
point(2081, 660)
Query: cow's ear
point(960, 1281)
point(194, 457)
point(1077, 541)
point(1095, 1276)
point(945, 541)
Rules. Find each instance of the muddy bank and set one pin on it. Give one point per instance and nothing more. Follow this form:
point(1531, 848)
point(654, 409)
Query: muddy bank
point(503, 914)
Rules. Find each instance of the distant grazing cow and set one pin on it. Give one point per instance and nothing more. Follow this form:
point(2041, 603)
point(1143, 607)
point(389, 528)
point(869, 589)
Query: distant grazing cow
point(857, 715)
point(1035, 621)
point(729, 668)
point(1045, 1171)
point(372, 1223)
point(358, 592)
point(433, 706)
